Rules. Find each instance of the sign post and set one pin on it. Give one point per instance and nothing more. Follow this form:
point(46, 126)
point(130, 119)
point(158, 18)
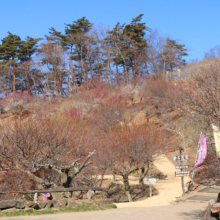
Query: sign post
point(150, 181)
point(182, 177)
point(180, 158)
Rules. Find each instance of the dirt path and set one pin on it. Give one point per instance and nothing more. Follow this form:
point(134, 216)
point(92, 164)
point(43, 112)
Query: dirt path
point(168, 189)
point(183, 211)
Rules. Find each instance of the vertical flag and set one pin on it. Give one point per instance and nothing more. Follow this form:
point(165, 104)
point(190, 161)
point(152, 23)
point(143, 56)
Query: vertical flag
point(216, 135)
point(202, 151)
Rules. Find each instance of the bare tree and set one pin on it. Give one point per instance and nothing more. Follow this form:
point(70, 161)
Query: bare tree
point(36, 144)
point(130, 149)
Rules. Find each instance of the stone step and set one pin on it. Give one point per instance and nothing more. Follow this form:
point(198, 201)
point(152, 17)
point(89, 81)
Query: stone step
point(202, 198)
point(209, 190)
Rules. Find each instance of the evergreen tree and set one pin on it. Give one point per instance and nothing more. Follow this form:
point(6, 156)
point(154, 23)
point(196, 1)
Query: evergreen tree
point(135, 32)
point(27, 48)
point(74, 41)
point(9, 54)
point(115, 40)
point(172, 57)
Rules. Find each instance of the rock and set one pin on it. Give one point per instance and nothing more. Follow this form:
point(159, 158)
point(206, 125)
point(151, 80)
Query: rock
point(20, 205)
point(28, 209)
point(57, 196)
point(7, 204)
point(91, 203)
point(78, 194)
point(42, 204)
point(49, 204)
point(208, 215)
point(73, 204)
point(11, 210)
point(57, 204)
point(33, 205)
point(63, 202)
point(215, 208)
point(90, 193)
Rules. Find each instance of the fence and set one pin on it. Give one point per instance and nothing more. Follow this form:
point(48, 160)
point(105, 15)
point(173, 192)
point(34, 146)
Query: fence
point(36, 192)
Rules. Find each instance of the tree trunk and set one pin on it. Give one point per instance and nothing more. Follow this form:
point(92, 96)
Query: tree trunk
point(71, 67)
point(65, 179)
point(68, 82)
point(90, 67)
point(144, 172)
point(135, 71)
point(13, 83)
point(142, 175)
point(127, 187)
point(116, 64)
point(102, 177)
point(113, 176)
point(28, 85)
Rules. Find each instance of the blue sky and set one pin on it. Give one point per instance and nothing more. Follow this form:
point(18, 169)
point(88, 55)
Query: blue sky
point(194, 23)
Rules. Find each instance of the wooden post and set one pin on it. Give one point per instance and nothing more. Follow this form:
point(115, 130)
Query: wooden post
point(35, 196)
point(181, 163)
point(150, 188)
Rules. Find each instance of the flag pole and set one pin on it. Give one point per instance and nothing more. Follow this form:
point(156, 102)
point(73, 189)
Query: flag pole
point(192, 169)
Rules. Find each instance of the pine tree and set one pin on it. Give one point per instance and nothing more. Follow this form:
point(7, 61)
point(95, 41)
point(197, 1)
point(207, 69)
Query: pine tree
point(172, 57)
point(115, 40)
point(73, 41)
point(9, 54)
point(75, 38)
point(27, 49)
point(135, 32)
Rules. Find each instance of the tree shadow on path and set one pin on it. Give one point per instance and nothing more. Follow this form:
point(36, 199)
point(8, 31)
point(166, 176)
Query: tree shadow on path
point(196, 214)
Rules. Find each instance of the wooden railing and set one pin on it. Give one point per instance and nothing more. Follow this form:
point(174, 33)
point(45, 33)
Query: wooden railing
point(35, 192)
point(55, 190)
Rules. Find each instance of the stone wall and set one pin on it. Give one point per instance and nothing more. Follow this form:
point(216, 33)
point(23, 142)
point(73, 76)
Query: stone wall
point(13, 205)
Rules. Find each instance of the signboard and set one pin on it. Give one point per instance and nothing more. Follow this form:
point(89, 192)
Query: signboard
point(149, 181)
point(182, 173)
point(216, 134)
point(182, 167)
point(180, 158)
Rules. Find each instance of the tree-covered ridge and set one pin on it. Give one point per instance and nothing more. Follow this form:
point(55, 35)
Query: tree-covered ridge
point(66, 59)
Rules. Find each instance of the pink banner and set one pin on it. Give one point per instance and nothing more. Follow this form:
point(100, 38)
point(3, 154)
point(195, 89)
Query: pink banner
point(202, 152)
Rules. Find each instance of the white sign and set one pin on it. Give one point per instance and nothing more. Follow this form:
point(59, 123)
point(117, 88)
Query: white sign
point(182, 167)
point(182, 173)
point(180, 158)
point(149, 181)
